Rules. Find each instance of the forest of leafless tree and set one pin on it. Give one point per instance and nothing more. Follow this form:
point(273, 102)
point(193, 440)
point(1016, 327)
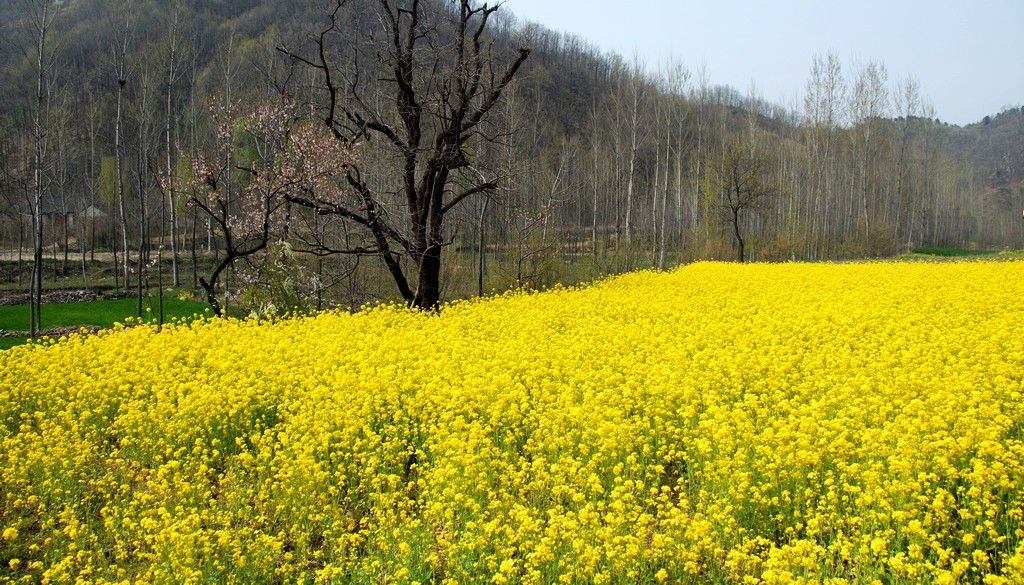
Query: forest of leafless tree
point(312, 154)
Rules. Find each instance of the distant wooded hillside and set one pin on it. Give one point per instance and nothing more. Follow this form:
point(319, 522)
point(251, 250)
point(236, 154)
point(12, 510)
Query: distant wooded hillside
point(586, 164)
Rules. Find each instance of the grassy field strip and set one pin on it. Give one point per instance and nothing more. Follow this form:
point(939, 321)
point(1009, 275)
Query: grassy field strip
point(102, 313)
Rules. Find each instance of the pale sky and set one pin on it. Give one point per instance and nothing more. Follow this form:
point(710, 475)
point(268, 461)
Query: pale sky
point(968, 55)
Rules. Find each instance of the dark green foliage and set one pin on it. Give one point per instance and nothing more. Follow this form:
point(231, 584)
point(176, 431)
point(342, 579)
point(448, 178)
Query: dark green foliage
point(952, 252)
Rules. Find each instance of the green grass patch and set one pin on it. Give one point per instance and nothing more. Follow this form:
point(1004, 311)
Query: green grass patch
point(952, 252)
point(9, 342)
point(93, 313)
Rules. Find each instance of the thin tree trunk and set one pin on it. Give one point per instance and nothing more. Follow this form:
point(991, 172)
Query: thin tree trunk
point(171, 199)
point(122, 37)
point(36, 293)
point(656, 188)
point(629, 196)
point(195, 255)
point(21, 246)
point(482, 250)
point(67, 239)
point(113, 248)
point(83, 248)
point(119, 183)
point(664, 197)
point(597, 166)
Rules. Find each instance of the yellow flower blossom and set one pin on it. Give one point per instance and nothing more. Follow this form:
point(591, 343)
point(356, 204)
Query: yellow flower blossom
point(796, 423)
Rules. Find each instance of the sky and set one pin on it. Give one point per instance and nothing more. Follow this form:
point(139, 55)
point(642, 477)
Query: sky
point(967, 55)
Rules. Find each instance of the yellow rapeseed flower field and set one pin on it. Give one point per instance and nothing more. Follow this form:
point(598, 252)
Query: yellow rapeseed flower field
point(722, 423)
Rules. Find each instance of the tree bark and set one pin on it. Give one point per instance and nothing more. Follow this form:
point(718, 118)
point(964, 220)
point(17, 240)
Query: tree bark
point(736, 232)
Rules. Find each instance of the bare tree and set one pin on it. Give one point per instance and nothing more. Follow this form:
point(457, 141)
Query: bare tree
point(123, 32)
point(636, 98)
point(869, 108)
point(145, 113)
point(173, 65)
point(62, 202)
point(702, 95)
point(677, 78)
point(442, 79)
point(741, 180)
point(40, 25)
point(16, 184)
point(907, 103)
point(825, 94)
